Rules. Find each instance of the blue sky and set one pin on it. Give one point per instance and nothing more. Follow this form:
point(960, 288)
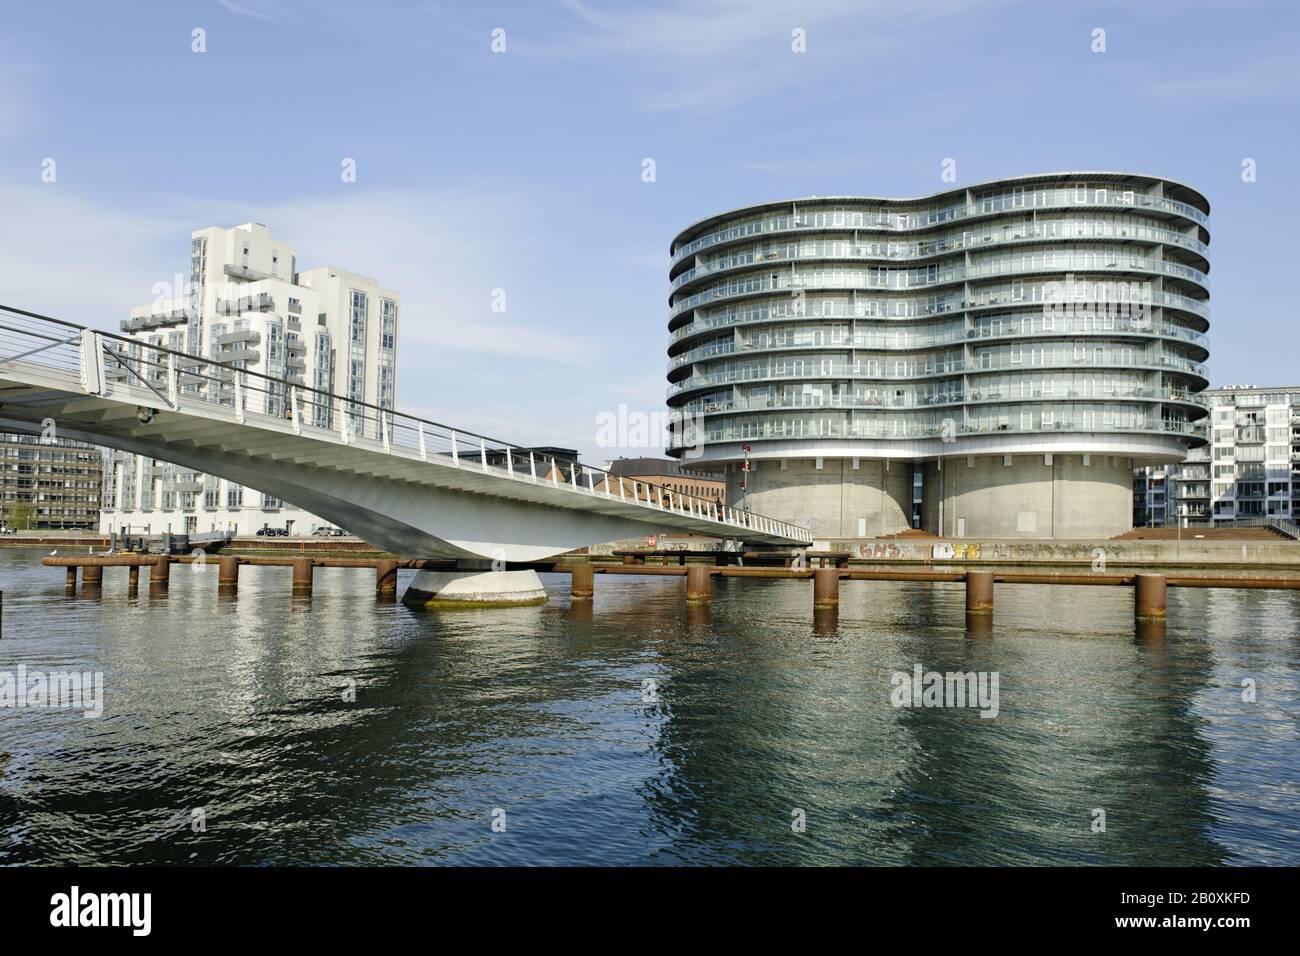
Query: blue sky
point(522, 170)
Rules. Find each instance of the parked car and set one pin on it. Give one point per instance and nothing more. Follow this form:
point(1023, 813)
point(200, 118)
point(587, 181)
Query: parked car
point(266, 531)
point(324, 531)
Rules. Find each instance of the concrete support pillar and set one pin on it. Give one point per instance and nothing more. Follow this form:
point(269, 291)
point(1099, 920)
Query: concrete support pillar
point(583, 586)
point(92, 577)
point(227, 574)
point(160, 573)
point(979, 593)
point(386, 578)
point(826, 588)
point(1149, 597)
point(133, 580)
point(70, 580)
point(699, 586)
point(449, 590)
point(302, 568)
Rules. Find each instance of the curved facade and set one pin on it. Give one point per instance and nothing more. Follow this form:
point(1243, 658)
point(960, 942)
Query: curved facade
point(1026, 341)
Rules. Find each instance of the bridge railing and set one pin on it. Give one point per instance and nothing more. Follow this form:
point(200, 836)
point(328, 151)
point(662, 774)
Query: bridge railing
point(178, 379)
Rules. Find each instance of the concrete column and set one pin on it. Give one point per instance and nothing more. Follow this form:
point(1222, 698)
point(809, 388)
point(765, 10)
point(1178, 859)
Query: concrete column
point(227, 574)
point(133, 580)
point(826, 588)
point(1149, 597)
point(583, 586)
point(698, 584)
point(302, 568)
point(979, 593)
point(92, 577)
point(70, 585)
point(386, 578)
point(160, 573)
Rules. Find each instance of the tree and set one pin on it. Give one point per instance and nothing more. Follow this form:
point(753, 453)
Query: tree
point(22, 516)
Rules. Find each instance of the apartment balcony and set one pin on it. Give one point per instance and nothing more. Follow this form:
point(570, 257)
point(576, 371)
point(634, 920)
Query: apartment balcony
point(249, 336)
point(240, 354)
point(296, 363)
point(243, 272)
point(261, 302)
point(156, 320)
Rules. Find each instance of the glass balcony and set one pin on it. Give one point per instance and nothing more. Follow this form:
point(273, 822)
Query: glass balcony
point(830, 214)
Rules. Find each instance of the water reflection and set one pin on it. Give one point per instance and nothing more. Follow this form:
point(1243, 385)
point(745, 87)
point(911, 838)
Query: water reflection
point(635, 729)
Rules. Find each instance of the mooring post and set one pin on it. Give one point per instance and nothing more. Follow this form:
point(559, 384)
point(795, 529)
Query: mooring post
point(227, 574)
point(70, 585)
point(2, 614)
point(583, 585)
point(302, 568)
point(699, 584)
point(133, 580)
point(1149, 592)
point(92, 577)
point(386, 578)
point(979, 594)
point(160, 573)
point(826, 588)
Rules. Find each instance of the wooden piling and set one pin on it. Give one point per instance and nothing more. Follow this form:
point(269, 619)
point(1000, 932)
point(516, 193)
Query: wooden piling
point(699, 585)
point(386, 578)
point(979, 593)
point(160, 573)
point(1149, 591)
point(92, 577)
point(227, 574)
point(583, 584)
point(826, 588)
point(302, 577)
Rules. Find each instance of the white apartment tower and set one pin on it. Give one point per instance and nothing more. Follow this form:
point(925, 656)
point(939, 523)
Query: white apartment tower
point(246, 304)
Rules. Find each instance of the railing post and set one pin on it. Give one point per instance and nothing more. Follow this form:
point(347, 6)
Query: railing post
point(573, 474)
point(532, 464)
point(92, 362)
point(293, 409)
point(239, 395)
point(455, 455)
point(383, 428)
point(419, 427)
point(482, 453)
point(171, 382)
point(510, 462)
point(555, 473)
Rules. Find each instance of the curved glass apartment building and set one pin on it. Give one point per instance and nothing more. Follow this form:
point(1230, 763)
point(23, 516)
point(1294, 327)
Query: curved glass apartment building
point(1027, 341)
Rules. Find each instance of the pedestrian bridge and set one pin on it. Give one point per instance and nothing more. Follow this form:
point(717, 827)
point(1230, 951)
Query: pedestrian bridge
point(411, 486)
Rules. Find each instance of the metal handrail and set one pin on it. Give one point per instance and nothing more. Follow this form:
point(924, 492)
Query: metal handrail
point(173, 376)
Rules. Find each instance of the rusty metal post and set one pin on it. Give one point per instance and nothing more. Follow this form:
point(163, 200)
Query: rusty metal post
point(227, 574)
point(629, 559)
point(583, 585)
point(699, 587)
point(979, 593)
point(133, 580)
point(302, 577)
point(92, 577)
point(386, 577)
point(70, 585)
point(826, 588)
point(160, 573)
point(1149, 592)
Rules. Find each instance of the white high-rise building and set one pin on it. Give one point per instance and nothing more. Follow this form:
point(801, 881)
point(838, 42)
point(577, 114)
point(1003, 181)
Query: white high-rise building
point(246, 305)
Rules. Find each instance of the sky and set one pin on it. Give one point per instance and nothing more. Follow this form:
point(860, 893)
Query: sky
point(522, 169)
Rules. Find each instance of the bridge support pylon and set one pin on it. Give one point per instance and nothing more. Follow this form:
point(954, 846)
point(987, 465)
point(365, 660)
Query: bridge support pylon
point(447, 590)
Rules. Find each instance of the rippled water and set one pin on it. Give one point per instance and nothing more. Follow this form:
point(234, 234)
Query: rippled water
point(236, 706)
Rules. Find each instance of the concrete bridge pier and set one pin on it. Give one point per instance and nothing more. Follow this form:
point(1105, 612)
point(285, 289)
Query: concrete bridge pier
point(474, 587)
